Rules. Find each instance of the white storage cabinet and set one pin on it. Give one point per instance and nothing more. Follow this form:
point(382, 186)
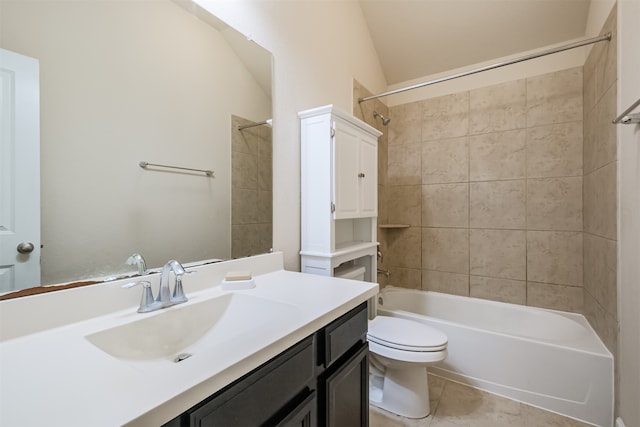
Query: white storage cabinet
point(339, 187)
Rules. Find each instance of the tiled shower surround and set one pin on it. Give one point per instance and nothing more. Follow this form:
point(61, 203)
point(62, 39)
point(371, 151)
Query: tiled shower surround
point(600, 188)
point(251, 189)
point(490, 182)
point(508, 191)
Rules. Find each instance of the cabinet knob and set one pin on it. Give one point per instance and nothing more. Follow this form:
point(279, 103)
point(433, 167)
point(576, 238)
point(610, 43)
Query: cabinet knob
point(361, 175)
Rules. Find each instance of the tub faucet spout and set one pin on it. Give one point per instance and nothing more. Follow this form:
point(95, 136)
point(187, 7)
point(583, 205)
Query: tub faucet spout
point(387, 273)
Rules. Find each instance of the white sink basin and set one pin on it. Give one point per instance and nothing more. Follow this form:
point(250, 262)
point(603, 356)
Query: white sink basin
point(190, 328)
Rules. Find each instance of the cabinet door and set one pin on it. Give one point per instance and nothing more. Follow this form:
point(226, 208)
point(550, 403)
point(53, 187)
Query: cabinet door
point(369, 177)
point(304, 415)
point(346, 146)
point(346, 393)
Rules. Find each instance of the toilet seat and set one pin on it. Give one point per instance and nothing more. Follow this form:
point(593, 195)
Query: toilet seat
point(405, 335)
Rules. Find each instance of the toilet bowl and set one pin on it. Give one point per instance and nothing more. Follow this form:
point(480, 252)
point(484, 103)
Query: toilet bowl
point(399, 352)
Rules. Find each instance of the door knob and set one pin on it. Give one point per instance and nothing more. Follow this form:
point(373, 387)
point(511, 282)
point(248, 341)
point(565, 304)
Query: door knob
point(26, 247)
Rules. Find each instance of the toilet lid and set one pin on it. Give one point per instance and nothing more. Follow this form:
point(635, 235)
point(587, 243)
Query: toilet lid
point(405, 334)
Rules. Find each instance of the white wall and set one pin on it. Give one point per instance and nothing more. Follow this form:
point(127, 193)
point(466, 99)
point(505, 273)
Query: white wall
point(319, 47)
point(598, 12)
point(123, 82)
point(629, 215)
point(535, 67)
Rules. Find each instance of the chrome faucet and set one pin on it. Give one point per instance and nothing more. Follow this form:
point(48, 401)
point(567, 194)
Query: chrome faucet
point(164, 298)
point(164, 294)
point(137, 259)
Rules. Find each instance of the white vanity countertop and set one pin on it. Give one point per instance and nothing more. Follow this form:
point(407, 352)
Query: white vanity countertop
point(56, 377)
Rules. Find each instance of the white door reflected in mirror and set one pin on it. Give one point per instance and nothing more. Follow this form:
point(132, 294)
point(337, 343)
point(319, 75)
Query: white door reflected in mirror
point(19, 171)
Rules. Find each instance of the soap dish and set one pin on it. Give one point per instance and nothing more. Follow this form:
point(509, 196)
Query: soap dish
point(230, 285)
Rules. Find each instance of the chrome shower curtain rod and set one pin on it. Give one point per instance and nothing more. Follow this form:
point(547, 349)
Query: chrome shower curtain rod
point(267, 122)
point(574, 45)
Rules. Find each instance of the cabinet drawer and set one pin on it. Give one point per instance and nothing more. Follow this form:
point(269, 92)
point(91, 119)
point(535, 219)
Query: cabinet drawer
point(343, 333)
point(262, 393)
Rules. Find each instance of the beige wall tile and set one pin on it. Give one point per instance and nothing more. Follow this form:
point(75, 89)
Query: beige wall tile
point(554, 150)
point(497, 204)
point(592, 150)
point(404, 204)
point(445, 249)
point(505, 290)
point(244, 171)
point(554, 257)
point(405, 277)
point(404, 167)
point(589, 83)
point(555, 297)
point(521, 179)
point(600, 202)
point(244, 206)
point(600, 135)
point(265, 236)
point(247, 140)
point(383, 159)
point(364, 111)
point(445, 117)
point(498, 155)
point(554, 204)
point(448, 283)
point(404, 248)
point(603, 323)
point(445, 205)
point(265, 166)
point(554, 97)
point(406, 124)
point(265, 207)
point(600, 270)
point(498, 107)
point(245, 240)
point(383, 215)
point(498, 253)
point(607, 63)
point(445, 161)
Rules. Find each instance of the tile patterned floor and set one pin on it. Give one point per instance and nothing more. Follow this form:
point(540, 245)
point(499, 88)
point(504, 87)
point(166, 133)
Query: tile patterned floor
point(457, 405)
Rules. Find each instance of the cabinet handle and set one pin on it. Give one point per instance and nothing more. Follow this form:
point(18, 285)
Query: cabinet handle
point(361, 175)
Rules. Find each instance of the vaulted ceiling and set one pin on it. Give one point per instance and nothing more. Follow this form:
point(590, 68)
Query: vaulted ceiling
point(417, 38)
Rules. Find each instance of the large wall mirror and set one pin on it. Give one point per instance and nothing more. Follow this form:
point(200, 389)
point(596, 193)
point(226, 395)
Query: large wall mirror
point(124, 82)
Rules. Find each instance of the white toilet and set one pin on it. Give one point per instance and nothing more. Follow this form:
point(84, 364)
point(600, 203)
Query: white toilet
point(400, 351)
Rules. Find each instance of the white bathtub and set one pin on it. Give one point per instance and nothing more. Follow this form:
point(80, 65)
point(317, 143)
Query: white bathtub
point(545, 358)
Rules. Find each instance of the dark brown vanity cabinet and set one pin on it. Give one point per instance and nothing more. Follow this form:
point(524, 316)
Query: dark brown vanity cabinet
point(343, 385)
point(320, 381)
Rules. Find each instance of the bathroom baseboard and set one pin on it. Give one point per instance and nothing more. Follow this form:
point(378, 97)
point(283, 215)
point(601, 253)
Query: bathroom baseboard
point(619, 422)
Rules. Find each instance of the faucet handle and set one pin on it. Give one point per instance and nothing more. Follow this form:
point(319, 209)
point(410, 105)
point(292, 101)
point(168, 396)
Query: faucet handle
point(178, 292)
point(147, 302)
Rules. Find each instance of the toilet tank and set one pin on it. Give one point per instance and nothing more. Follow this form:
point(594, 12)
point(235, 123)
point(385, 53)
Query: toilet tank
point(353, 272)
